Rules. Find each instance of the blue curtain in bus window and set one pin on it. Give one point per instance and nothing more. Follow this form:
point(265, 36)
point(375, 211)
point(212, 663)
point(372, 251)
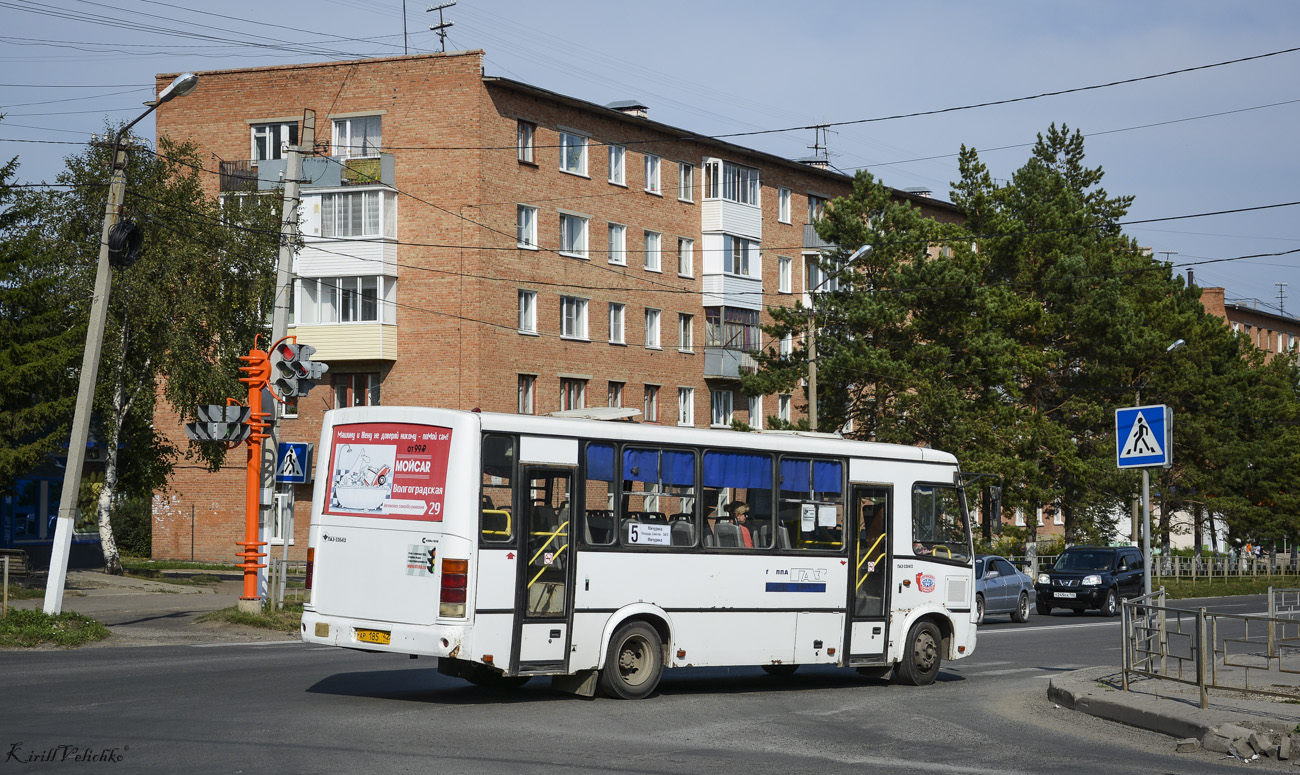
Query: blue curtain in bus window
point(826, 476)
point(794, 475)
point(641, 465)
point(737, 469)
point(600, 462)
point(679, 468)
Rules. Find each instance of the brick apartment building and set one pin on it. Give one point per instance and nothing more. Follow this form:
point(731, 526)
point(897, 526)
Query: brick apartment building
point(1269, 331)
point(473, 241)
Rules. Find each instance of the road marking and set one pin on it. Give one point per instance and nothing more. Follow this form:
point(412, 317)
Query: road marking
point(1111, 623)
point(254, 644)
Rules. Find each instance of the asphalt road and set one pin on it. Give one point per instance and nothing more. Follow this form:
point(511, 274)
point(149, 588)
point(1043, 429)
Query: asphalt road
point(288, 707)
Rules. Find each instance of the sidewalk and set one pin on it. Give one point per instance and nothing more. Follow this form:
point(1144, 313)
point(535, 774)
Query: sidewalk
point(141, 612)
point(1173, 708)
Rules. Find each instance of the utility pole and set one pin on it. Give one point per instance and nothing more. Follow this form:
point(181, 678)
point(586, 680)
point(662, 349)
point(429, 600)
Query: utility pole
point(812, 372)
point(58, 568)
point(1281, 297)
point(441, 26)
point(280, 308)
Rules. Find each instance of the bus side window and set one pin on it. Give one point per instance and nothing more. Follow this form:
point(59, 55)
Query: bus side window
point(598, 526)
point(496, 524)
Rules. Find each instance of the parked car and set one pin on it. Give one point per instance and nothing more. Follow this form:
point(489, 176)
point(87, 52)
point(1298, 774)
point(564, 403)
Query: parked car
point(1088, 577)
point(1001, 589)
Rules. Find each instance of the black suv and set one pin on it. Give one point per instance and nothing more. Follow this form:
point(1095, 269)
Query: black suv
point(1087, 577)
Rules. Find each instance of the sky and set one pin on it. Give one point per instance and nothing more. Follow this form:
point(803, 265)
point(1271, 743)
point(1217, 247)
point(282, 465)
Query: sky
point(1219, 137)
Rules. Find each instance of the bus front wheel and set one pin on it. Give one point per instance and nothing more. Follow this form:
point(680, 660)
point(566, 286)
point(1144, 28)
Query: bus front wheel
point(634, 663)
point(921, 655)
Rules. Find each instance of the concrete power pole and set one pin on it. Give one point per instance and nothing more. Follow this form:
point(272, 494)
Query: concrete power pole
point(280, 310)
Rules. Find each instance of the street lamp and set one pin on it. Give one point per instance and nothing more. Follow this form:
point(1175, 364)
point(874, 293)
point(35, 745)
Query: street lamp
point(1146, 489)
point(58, 571)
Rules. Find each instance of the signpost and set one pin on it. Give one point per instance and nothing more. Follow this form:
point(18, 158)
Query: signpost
point(1144, 438)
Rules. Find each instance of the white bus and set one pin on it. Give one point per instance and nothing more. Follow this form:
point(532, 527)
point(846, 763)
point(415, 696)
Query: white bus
point(600, 553)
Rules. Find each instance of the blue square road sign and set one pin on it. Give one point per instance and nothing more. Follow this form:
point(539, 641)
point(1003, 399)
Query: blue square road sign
point(1144, 436)
point(293, 462)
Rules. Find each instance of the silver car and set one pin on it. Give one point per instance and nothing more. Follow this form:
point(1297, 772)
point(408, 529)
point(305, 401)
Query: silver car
point(1001, 589)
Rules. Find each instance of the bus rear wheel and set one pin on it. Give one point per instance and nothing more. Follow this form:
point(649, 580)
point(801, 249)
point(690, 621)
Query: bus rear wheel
point(634, 662)
point(922, 655)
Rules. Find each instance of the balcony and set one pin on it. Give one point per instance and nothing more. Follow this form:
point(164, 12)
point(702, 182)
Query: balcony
point(342, 342)
point(317, 172)
point(723, 362)
point(813, 242)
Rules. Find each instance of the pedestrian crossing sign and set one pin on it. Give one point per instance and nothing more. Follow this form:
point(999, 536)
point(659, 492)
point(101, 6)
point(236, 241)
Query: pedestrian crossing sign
point(1144, 436)
point(293, 463)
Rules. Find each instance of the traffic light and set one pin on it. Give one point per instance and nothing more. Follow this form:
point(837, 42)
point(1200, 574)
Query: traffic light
point(293, 372)
point(220, 424)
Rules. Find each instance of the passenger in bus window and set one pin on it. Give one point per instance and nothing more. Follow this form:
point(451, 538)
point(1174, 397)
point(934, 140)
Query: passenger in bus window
point(739, 512)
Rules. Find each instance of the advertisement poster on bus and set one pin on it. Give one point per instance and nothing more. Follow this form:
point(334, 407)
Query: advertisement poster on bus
point(389, 470)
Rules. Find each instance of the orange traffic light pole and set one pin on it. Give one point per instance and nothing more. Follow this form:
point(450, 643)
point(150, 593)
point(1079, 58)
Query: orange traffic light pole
point(259, 371)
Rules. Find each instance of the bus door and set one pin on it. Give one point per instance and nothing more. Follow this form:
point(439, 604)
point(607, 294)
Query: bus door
point(545, 566)
point(869, 583)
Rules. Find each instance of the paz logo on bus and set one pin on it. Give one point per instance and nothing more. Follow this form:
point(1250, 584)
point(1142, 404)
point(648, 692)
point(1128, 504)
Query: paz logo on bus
point(925, 582)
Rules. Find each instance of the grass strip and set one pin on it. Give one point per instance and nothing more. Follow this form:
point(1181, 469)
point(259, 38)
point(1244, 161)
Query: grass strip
point(36, 628)
point(287, 619)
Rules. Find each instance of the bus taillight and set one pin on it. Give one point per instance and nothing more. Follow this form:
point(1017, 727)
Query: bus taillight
point(311, 566)
point(454, 581)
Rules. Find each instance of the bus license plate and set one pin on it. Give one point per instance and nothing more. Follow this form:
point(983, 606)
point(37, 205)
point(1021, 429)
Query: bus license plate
point(1054, 594)
point(373, 636)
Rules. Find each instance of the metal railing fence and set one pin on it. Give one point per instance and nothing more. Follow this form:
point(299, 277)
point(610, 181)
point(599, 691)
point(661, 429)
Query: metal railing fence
point(1259, 654)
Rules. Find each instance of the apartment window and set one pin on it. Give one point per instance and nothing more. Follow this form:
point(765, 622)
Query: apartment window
point(528, 312)
point(685, 332)
point(616, 394)
point(573, 318)
point(724, 180)
point(756, 412)
point(821, 279)
point(345, 300)
point(573, 235)
point(653, 251)
point(525, 139)
point(617, 322)
point(652, 174)
point(732, 328)
point(651, 411)
point(371, 213)
point(617, 170)
point(357, 136)
point(686, 182)
point(739, 255)
point(652, 328)
point(573, 394)
point(526, 227)
point(783, 407)
point(816, 208)
point(573, 153)
point(617, 243)
point(685, 257)
point(685, 406)
point(787, 345)
point(783, 205)
point(784, 274)
point(355, 389)
point(269, 139)
point(527, 392)
point(722, 408)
